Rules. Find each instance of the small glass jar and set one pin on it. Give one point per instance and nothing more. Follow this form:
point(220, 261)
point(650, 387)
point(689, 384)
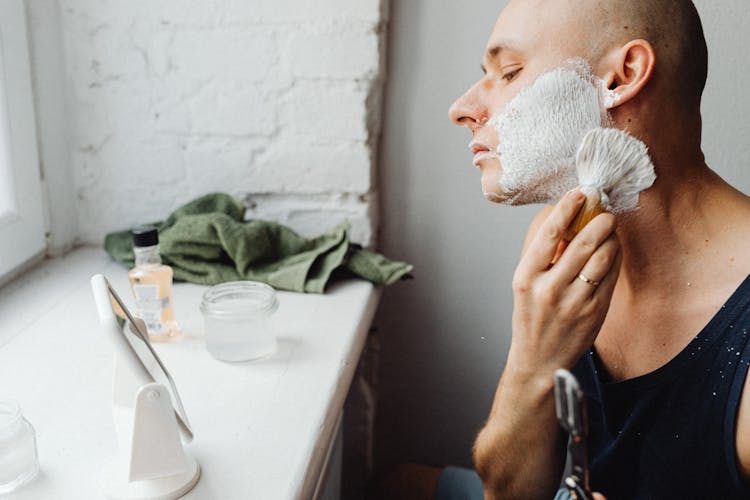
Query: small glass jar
point(238, 320)
point(18, 458)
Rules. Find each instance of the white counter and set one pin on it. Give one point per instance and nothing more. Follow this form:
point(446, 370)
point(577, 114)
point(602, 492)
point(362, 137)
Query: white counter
point(262, 428)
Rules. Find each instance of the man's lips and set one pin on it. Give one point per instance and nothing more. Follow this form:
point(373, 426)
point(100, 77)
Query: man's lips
point(477, 147)
point(481, 152)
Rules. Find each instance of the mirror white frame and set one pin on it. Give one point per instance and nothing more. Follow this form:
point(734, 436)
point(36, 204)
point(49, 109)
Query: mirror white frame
point(148, 413)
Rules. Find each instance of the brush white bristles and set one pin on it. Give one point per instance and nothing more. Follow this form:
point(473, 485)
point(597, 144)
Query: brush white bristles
point(613, 167)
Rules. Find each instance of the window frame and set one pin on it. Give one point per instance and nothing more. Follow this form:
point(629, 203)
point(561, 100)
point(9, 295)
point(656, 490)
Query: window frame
point(22, 228)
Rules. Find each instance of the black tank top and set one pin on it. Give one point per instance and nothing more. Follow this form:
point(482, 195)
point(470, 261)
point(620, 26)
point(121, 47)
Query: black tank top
point(671, 433)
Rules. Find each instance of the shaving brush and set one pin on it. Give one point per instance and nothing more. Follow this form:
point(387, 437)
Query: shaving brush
point(613, 167)
point(590, 209)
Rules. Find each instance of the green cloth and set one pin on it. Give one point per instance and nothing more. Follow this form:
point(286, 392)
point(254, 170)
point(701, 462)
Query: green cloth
point(207, 241)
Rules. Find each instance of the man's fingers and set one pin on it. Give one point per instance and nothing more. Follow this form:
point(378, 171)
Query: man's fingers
point(599, 496)
point(542, 251)
point(607, 284)
point(560, 249)
point(598, 267)
point(579, 257)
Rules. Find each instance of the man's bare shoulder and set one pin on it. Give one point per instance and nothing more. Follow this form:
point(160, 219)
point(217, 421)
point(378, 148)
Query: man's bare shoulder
point(729, 246)
point(737, 261)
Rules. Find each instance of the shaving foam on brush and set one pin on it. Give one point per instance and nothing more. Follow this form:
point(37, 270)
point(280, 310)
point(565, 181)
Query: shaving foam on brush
point(613, 167)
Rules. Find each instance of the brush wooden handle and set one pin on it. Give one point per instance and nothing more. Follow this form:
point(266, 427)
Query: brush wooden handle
point(590, 209)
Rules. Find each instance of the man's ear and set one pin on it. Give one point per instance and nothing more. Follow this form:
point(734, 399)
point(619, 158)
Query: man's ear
point(628, 69)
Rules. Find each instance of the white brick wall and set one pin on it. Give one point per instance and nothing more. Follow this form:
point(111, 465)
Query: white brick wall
point(274, 101)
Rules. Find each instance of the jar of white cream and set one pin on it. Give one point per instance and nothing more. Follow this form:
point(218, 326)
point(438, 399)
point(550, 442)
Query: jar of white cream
point(238, 319)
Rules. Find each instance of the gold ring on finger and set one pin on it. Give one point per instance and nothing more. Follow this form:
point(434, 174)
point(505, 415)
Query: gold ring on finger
point(588, 280)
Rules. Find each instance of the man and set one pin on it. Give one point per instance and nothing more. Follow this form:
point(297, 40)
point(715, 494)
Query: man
point(650, 309)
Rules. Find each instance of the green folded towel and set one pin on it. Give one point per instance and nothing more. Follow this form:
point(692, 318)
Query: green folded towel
point(207, 241)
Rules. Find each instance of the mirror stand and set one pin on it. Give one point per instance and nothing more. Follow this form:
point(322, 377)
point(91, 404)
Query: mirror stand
point(152, 463)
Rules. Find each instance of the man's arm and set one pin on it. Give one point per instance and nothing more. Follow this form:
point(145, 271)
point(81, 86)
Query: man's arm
point(556, 317)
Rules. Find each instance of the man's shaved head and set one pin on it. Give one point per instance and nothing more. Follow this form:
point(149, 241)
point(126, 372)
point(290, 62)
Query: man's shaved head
point(673, 28)
point(650, 54)
point(593, 28)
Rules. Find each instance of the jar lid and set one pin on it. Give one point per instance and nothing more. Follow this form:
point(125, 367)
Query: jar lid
point(239, 299)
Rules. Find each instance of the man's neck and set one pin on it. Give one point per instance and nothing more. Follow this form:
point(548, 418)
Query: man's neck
point(684, 253)
point(683, 228)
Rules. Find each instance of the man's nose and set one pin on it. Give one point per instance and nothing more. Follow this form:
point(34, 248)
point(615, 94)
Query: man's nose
point(469, 110)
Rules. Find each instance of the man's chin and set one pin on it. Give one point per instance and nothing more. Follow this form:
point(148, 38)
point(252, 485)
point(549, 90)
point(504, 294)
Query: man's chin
point(496, 197)
point(492, 188)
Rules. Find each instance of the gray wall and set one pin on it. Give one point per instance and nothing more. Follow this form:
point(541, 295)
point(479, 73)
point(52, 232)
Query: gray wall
point(444, 336)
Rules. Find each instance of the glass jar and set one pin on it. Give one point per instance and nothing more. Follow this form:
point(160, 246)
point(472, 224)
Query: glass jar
point(18, 458)
point(238, 320)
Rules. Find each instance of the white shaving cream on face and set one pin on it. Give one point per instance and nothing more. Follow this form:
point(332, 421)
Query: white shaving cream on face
point(540, 131)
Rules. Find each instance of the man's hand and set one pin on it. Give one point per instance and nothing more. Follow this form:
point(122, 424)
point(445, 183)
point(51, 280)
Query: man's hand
point(557, 314)
point(520, 453)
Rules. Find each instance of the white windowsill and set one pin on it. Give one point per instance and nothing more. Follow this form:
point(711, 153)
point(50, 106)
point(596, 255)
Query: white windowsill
point(262, 429)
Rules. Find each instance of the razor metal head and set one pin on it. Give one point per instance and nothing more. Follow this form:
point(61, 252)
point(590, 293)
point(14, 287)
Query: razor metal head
point(570, 407)
point(569, 403)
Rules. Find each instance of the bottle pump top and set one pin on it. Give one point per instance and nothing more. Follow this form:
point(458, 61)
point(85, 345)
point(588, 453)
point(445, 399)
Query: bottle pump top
point(145, 236)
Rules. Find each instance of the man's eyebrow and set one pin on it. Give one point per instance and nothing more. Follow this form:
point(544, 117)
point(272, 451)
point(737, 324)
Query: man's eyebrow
point(495, 51)
point(491, 55)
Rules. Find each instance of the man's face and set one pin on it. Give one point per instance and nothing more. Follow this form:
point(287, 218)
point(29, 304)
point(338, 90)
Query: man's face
point(529, 38)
